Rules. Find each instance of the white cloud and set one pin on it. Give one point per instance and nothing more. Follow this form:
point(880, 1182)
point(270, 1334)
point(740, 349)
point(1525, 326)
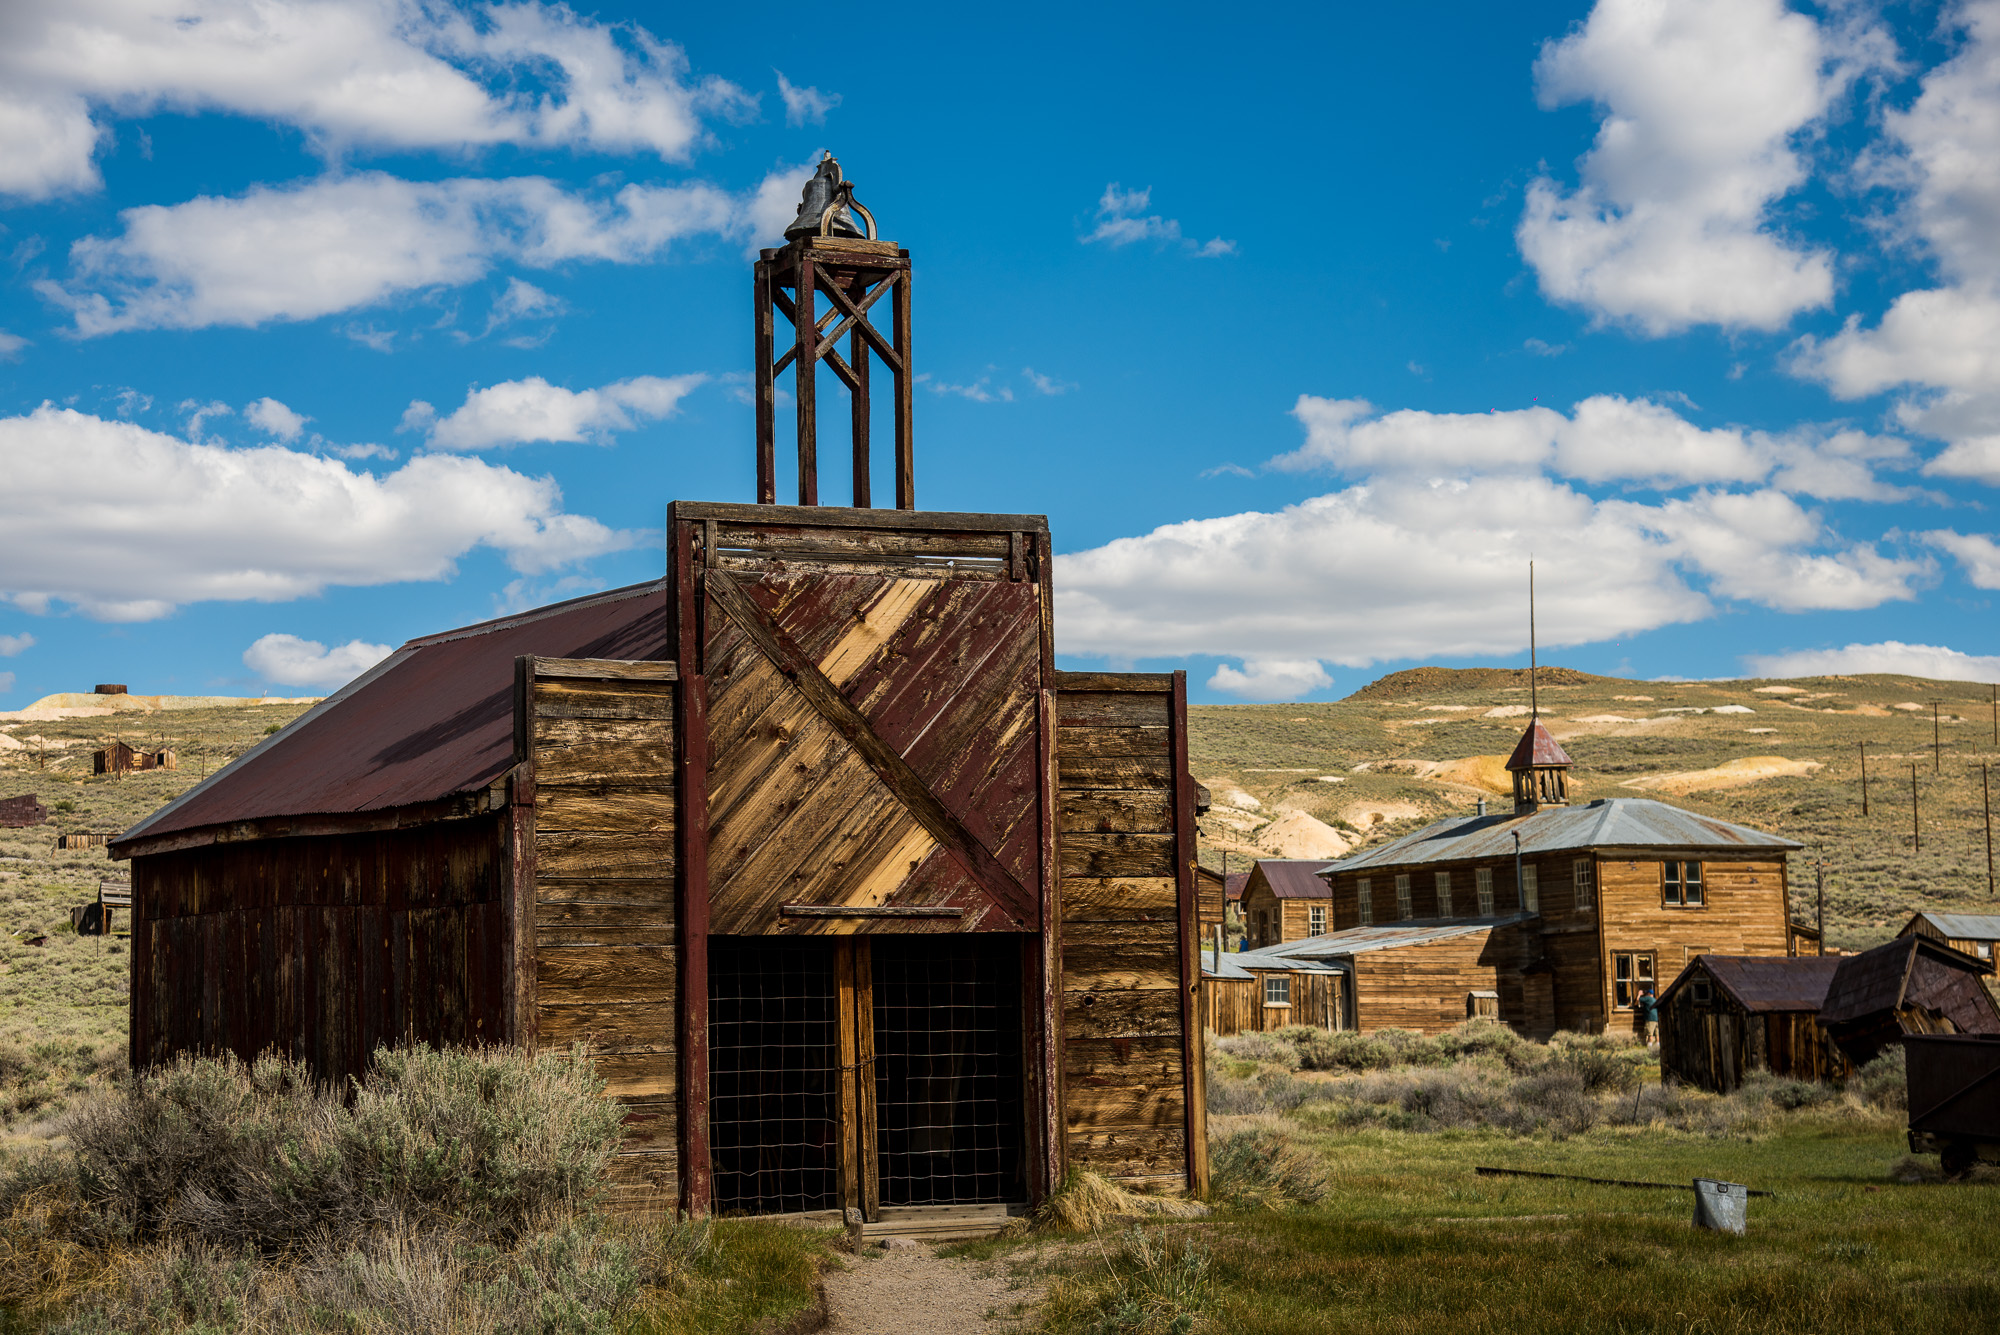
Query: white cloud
point(1545, 349)
point(288, 660)
point(275, 419)
point(11, 345)
point(1045, 384)
point(398, 74)
point(775, 202)
point(13, 646)
point(804, 106)
point(981, 390)
point(1271, 679)
point(516, 412)
point(1122, 220)
point(128, 523)
point(1605, 438)
point(1701, 101)
point(1890, 656)
point(1976, 554)
point(341, 242)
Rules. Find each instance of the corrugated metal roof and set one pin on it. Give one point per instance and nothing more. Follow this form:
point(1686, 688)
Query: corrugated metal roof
point(1537, 747)
point(1615, 822)
point(1766, 982)
point(1382, 936)
point(434, 719)
point(1230, 968)
point(1294, 878)
point(1962, 926)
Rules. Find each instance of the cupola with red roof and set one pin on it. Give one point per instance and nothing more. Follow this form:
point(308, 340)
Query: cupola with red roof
point(1541, 771)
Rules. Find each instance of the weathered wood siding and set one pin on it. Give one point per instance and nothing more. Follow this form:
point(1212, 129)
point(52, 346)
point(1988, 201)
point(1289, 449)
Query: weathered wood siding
point(599, 741)
point(1423, 987)
point(1713, 1046)
point(321, 947)
point(1123, 878)
point(1237, 1005)
point(1743, 914)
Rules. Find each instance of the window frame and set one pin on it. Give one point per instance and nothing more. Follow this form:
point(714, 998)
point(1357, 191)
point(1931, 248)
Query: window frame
point(1676, 884)
point(1530, 889)
point(1629, 969)
point(1364, 900)
point(1403, 905)
point(1482, 879)
point(1443, 883)
point(1281, 984)
point(1583, 881)
point(1316, 919)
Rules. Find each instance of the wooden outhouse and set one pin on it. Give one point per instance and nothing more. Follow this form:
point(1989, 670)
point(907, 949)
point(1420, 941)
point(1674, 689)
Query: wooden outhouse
point(1911, 985)
point(863, 905)
point(1728, 1015)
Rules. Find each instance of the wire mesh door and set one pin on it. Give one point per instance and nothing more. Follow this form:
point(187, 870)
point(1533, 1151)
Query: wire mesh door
point(773, 1033)
point(950, 1118)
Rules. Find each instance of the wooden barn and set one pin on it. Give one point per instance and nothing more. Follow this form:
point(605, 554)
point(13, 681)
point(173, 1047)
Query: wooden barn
point(1974, 934)
point(1284, 900)
point(1602, 899)
point(864, 906)
point(1911, 985)
point(1728, 1015)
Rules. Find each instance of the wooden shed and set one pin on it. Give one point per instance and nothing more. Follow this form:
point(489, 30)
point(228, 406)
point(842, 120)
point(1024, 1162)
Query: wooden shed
point(1728, 1015)
point(1284, 900)
point(1911, 985)
point(1421, 976)
point(119, 758)
point(864, 906)
point(1974, 934)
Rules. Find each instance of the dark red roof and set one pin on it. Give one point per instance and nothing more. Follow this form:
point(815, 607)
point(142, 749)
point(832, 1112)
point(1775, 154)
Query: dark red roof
point(1767, 982)
point(1232, 884)
point(434, 719)
point(1295, 878)
point(1536, 747)
point(1910, 970)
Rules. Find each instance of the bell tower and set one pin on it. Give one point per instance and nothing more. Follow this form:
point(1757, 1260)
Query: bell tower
point(829, 260)
point(1541, 771)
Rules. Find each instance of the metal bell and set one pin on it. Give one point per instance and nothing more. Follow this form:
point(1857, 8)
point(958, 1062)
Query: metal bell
point(825, 189)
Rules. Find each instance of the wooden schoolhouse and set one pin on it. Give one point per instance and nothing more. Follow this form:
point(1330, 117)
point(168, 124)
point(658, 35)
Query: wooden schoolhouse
point(1583, 906)
point(865, 908)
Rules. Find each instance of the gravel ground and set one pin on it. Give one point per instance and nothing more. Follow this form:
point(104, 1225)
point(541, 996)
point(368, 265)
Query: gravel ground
point(917, 1292)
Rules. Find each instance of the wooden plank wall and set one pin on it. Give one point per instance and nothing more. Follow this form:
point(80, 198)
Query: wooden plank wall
point(320, 947)
point(1236, 1005)
point(1744, 915)
point(1125, 1079)
point(1713, 1047)
point(1422, 987)
point(599, 741)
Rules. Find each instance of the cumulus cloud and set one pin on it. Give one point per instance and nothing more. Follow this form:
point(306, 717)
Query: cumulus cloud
point(1890, 656)
point(13, 646)
point(128, 523)
point(1122, 220)
point(337, 243)
point(288, 660)
point(1702, 101)
point(518, 412)
point(804, 106)
point(275, 419)
point(1976, 554)
point(1271, 679)
point(1605, 438)
point(398, 74)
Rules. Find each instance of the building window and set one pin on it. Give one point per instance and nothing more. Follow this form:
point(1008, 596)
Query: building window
point(1683, 884)
point(1277, 989)
point(1316, 919)
point(1630, 975)
point(1403, 896)
point(1364, 901)
point(1584, 871)
point(1483, 880)
point(1444, 894)
point(1984, 949)
point(1704, 991)
point(1531, 889)
point(1263, 927)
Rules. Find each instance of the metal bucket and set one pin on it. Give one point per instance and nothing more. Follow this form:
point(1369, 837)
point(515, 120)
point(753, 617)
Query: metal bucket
point(1720, 1205)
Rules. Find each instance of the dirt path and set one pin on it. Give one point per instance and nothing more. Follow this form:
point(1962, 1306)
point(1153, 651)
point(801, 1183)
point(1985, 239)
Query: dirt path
point(914, 1291)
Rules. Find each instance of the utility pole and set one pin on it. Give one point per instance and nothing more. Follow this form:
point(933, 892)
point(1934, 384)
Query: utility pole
point(1986, 800)
point(1820, 867)
point(1916, 831)
point(1937, 744)
point(1864, 778)
point(1996, 715)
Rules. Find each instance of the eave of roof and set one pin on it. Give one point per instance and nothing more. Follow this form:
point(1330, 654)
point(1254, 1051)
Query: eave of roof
point(1382, 936)
point(1635, 823)
point(1537, 748)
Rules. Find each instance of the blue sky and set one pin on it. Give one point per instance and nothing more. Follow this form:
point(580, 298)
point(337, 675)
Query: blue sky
point(331, 324)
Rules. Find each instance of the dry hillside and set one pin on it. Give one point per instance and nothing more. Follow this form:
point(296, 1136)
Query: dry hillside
point(1309, 780)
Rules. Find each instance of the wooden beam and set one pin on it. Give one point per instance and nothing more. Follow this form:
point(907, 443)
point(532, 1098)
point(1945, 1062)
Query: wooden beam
point(766, 389)
point(908, 786)
point(807, 336)
point(603, 669)
point(1184, 858)
point(906, 475)
point(864, 1060)
point(697, 1178)
point(857, 318)
point(940, 521)
point(847, 1110)
point(859, 352)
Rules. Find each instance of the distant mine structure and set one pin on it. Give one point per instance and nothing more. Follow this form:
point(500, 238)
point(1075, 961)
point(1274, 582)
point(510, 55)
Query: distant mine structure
point(119, 758)
point(17, 813)
point(866, 909)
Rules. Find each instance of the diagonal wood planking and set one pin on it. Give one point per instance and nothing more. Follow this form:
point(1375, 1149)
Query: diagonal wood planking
point(944, 672)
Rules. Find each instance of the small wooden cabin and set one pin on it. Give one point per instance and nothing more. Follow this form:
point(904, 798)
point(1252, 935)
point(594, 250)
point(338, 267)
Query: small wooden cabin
point(1602, 900)
point(1284, 900)
point(1422, 976)
point(864, 906)
point(118, 758)
point(1728, 1015)
point(1911, 985)
point(1246, 993)
point(1974, 934)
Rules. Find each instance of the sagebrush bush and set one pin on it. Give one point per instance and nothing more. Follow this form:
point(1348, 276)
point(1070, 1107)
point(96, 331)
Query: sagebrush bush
point(1260, 1168)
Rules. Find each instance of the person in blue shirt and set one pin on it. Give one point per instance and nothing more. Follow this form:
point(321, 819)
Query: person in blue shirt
point(1648, 1014)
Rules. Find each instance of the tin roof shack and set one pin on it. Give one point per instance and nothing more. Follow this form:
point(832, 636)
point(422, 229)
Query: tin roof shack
point(18, 813)
point(118, 758)
point(863, 905)
point(1911, 985)
point(1604, 898)
point(1256, 993)
point(1728, 1015)
point(1974, 934)
point(1284, 900)
point(1422, 976)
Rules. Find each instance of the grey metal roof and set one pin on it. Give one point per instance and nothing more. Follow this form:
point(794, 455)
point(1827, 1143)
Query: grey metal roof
point(1382, 936)
point(1962, 926)
point(1230, 968)
point(1614, 822)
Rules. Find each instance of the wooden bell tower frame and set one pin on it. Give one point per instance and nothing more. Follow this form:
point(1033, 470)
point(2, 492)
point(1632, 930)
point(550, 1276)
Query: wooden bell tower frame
point(852, 275)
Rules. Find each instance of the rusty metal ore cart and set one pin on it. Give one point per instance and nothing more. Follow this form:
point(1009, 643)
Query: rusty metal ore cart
point(864, 907)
